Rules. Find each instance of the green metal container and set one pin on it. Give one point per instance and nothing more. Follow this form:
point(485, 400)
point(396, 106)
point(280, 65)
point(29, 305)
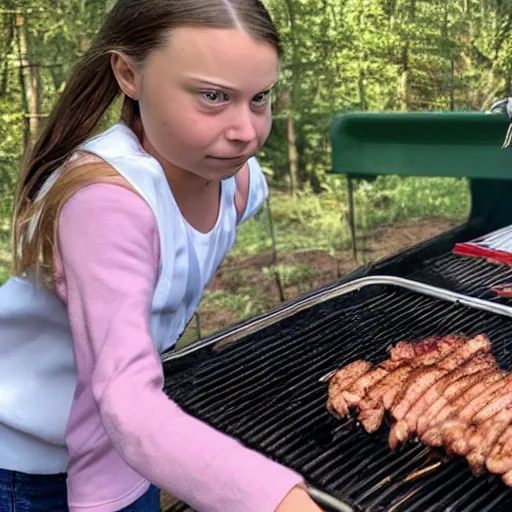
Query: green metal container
point(457, 144)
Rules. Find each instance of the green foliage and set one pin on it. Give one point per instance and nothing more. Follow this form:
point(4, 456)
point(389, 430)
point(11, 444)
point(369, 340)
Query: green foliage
point(300, 275)
point(245, 303)
point(391, 198)
point(4, 275)
point(56, 33)
point(319, 221)
point(382, 55)
point(340, 56)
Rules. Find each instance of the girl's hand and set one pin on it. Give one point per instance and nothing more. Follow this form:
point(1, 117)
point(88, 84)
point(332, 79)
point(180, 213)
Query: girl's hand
point(298, 500)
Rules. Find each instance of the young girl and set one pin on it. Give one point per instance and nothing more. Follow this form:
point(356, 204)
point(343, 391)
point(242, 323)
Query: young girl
point(116, 236)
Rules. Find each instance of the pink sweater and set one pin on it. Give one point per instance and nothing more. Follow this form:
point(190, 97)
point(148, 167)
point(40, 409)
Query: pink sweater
point(123, 431)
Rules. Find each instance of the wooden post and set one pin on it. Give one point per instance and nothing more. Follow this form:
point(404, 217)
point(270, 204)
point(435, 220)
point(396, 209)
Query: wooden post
point(352, 216)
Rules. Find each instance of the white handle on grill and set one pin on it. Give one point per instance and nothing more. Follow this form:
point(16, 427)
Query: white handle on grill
point(326, 500)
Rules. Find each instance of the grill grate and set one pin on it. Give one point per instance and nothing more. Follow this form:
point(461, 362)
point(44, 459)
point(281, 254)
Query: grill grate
point(470, 276)
point(264, 390)
point(433, 262)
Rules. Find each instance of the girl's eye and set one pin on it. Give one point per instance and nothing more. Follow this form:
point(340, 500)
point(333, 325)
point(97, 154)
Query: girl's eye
point(215, 97)
point(261, 99)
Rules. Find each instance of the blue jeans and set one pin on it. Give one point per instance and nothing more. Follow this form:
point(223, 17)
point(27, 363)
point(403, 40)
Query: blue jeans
point(20, 492)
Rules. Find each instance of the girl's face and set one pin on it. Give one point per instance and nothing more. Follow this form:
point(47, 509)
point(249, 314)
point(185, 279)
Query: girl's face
point(205, 100)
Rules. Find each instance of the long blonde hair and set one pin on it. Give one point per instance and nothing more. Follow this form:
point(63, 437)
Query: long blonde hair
point(133, 28)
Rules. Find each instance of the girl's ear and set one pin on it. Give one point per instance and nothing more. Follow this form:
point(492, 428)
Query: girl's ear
point(126, 75)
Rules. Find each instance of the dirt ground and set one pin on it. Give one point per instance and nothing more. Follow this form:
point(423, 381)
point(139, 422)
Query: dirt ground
point(325, 268)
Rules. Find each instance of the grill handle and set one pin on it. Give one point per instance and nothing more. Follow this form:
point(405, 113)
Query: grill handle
point(327, 502)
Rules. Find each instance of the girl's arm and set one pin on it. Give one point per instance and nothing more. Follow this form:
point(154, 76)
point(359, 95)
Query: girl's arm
point(107, 270)
point(251, 190)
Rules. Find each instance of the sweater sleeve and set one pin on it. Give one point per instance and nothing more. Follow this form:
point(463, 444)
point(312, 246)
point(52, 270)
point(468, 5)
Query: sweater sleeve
point(108, 245)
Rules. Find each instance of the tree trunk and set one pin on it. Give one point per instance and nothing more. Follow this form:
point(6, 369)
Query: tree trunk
point(34, 99)
point(292, 101)
point(362, 90)
point(452, 85)
point(22, 52)
point(293, 157)
point(30, 84)
point(9, 23)
point(300, 146)
point(403, 86)
point(404, 82)
point(445, 33)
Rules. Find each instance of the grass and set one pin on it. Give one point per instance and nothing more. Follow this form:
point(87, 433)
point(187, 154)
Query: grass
point(247, 302)
point(311, 222)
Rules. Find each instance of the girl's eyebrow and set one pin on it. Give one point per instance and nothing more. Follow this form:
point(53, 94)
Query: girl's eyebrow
point(225, 86)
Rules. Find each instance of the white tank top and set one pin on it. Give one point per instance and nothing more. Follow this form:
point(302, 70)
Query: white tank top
point(37, 367)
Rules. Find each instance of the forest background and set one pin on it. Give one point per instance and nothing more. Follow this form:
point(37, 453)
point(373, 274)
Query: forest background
point(340, 56)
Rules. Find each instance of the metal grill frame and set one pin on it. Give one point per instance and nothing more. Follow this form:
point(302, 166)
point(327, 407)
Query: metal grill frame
point(260, 322)
point(230, 336)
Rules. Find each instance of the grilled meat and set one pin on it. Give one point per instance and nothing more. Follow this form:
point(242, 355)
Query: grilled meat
point(358, 390)
point(471, 367)
point(450, 391)
point(499, 460)
point(425, 378)
point(377, 390)
point(407, 350)
point(454, 430)
point(407, 426)
point(433, 352)
point(342, 380)
point(507, 478)
point(420, 382)
point(482, 439)
point(433, 434)
point(381, 397)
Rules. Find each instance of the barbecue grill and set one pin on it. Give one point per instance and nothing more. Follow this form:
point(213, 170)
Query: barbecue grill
point(261, 381)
